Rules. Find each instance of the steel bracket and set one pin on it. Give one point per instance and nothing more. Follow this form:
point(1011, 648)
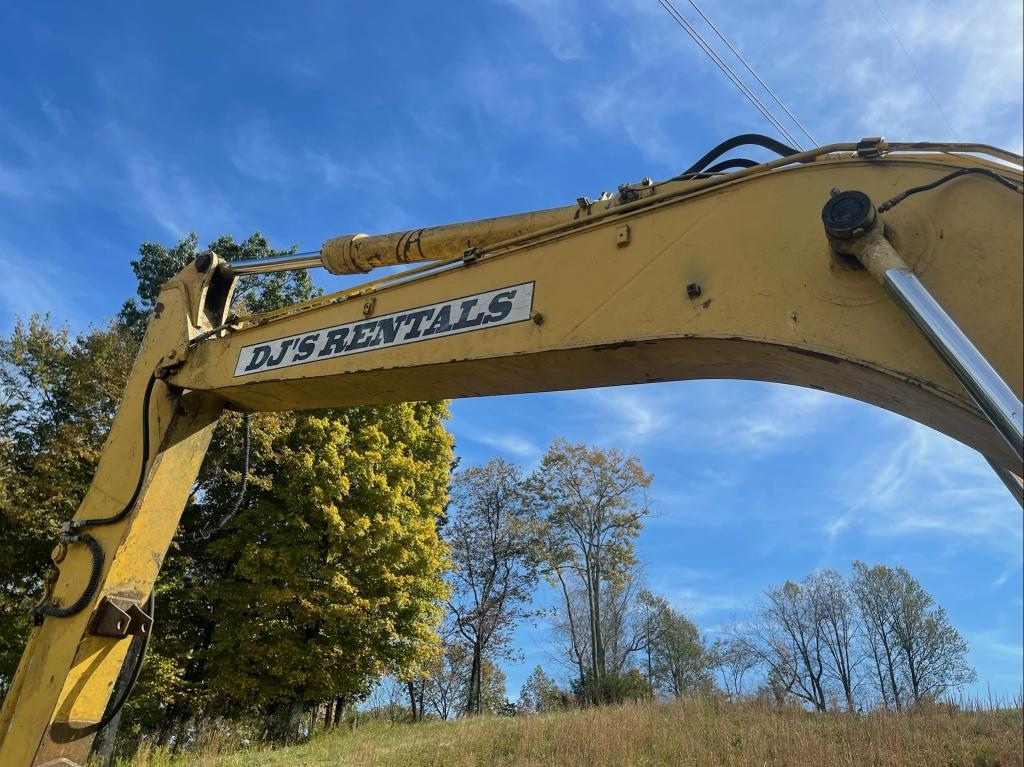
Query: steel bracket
point(119, 617)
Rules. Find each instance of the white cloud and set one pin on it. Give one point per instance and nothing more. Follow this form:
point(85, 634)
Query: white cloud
point(633, 413)
point(691, 590)
point(256, 153)
point(33, 170)
point(785, 415)
point(922, 483)
point(757, 417)
point(13, 184)
point(971, 62)
point(997, 646)
point(697, 603)
point(506, 443)
point(844, 75)
point(59, 117)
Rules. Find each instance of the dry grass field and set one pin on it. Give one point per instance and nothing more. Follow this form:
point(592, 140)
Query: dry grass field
point(703, 733)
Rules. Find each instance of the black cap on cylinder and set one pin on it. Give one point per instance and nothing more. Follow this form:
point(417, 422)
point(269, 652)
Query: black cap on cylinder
point(848, 214)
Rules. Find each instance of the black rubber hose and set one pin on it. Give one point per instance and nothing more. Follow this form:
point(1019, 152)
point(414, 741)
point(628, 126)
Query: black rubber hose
point(745, 139)
point(207, 532)
point(892, 202)
point(116, 706)
point(90, 589)
point(80, 523)
point(734, 162)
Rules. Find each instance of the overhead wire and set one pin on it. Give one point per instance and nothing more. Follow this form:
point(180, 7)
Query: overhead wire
point(917, 71)
point(750, 69)
point(727, 70)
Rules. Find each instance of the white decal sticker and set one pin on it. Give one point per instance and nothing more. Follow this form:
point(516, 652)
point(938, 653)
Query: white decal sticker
point(503, 306)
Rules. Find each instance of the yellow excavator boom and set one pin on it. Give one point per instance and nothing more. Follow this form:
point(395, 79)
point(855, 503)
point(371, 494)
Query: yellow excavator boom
point(720, 275)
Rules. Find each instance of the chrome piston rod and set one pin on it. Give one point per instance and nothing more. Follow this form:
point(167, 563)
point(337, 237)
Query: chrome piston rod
point(282, 263)
point(852, 226)
point(995, 399)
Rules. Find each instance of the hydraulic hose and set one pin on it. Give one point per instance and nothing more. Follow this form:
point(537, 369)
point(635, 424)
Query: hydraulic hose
point(745, 139)
point(90, 589)
point(207, 532)
point(733, 162)
point(95, 549)
point(78, 524)
point(114, 708)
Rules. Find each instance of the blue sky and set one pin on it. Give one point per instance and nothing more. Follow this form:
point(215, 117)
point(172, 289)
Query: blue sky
point(124, 123)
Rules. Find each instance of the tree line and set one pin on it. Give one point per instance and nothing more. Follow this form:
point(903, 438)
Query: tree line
point(361, 553)
point(877, 639)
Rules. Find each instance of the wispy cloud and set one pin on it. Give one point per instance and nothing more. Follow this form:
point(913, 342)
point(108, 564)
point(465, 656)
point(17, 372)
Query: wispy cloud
point(786, 414)
point(13, 184)
point(698, 603)
point(558, 23)
point(759, 418)
point(693, 591)
point(923, 483)
point(506, 443)
point(172, 197)
point(632, 413)
point(60, 118)
point(28, 285)
point(33, 169)
point(999, 647)
point(972, 64)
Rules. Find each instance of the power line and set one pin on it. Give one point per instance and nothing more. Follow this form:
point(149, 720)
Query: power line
point(917, 71)
point(727, 70)
point(752, 72)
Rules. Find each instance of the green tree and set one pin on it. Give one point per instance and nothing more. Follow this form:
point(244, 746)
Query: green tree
point(255, 293)
point(493, 699)
point(679, 660)
point(594, 501)
point(491, 536)
point(919, 654)
point(540, 693)
point(334, 574)
point(613, 687)
point(360, 561)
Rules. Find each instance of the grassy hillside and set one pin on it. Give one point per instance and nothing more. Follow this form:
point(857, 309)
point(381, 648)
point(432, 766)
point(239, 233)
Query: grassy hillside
point(694, 734)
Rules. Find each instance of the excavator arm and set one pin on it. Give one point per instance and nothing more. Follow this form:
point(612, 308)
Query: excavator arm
point(708, 275)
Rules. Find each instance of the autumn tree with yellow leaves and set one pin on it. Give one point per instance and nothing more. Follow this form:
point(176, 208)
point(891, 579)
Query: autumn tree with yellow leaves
point(330, 575)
